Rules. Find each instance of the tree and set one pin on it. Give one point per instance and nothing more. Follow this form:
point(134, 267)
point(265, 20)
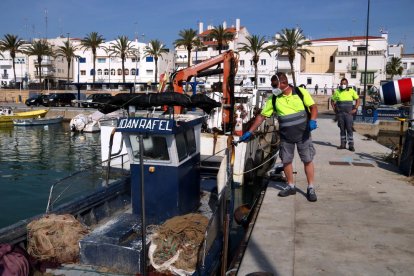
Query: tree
point(188, 39)
point(92, 41)
point(39, 48)
point(394, 67)
point(11, 43)
point(155, 49)
point(256, 46)
point(122, 48)
point(221, 35)
point(67, 51)
point(291, 41)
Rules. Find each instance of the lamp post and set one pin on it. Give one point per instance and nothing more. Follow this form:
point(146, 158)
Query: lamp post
point(78, 85)
point(136, 67)
point(366, 65)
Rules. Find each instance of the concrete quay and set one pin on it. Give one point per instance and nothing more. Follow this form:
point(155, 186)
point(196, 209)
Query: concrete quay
point(362, 223)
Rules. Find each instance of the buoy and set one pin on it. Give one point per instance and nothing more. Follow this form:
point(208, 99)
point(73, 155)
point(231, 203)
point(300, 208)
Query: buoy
point(396, 92)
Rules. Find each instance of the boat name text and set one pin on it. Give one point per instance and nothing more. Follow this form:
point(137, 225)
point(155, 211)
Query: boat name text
point(147, 124)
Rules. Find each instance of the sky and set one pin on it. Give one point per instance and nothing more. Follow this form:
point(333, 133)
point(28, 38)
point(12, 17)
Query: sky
point(163, 20)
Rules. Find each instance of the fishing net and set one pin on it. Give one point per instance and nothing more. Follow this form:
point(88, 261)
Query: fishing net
point(175, 245)
point(55, 238)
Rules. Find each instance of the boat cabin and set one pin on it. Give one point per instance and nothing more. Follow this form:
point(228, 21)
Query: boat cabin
point(170, 171)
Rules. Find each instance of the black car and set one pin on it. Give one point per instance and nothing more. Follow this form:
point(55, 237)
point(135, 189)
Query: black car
point(93, 100)
point(36, 100)
point(60, 99)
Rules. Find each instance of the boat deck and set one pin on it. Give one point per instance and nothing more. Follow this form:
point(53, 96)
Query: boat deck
point(362, 223)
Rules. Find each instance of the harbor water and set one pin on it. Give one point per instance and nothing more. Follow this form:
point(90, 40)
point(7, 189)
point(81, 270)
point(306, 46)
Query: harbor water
point(32, 159)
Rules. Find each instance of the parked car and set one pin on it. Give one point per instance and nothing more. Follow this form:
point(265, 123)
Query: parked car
point(93, 100)
point(60, 99)
point(36, 100)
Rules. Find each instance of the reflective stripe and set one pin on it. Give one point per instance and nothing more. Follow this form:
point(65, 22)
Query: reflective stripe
point(344, 104)
point(293, 119)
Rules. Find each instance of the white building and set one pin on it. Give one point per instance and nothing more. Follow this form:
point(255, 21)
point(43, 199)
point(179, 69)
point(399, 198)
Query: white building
point(344, 57)
point(407, 61)
point(245, 74)
point(139, 68)
point(6, 70)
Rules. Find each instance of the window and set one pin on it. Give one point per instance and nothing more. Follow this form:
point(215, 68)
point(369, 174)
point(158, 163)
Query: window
point(262, 80)
point(92, 72)
point(241, 63)
point(83, 72)
point(370, 77)
point(101, 60)
point(181, 146)
point(126, 72)
point(353, 74)
point(354, 64)
point(112, 72)
point(106, 72)
point(331, 59)
point(155, 147)
point(150, 72)
point(191, 141)
point(119, 72)
point(99, 72)
point(149, 59)
point(186, 144)
point(134, 59)
point(133, 72)
point(309, 81)
point(251, 62)
point(313, 59)
point(339, 60)
point(404, 65)
point(262, 62)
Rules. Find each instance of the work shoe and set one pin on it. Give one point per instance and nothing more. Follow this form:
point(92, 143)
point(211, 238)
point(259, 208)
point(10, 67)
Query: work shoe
point(351, 148)
point(287, 191)
point(342, 147)
point(311, 195)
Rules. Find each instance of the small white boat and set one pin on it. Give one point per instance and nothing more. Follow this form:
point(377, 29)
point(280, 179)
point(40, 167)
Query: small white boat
point(92, 122)
point(38, 121)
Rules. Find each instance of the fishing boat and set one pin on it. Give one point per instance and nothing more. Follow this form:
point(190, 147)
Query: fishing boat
point(38, 121)
point(7, 115)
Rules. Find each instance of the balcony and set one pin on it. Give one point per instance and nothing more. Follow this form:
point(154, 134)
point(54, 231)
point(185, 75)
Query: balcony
point(5, 76)
point(45, 74)
point(352, 67)
point(360, 53)
point(45, 62)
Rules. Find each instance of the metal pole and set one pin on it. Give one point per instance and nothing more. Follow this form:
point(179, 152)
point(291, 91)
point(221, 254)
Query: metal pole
point(366, 65)
point(78, 82)
point(143, 224)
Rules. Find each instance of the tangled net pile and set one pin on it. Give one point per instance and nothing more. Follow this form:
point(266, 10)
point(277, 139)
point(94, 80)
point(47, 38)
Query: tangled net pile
point(55, 238)
point(177, 243)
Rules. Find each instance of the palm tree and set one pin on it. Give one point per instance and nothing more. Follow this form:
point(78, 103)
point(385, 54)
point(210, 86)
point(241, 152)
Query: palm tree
point(67, 51)
point(188, 39)
point(39, 48)
point(256, 45)
point(221, 35)
point(155, 49)
point(11, 43)
point(92, 41)
point(122, 48)
point(291, 41)
point(394, 67)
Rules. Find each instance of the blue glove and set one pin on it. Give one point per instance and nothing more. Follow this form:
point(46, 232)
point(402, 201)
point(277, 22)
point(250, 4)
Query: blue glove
point(246, 136)
point(312, 125)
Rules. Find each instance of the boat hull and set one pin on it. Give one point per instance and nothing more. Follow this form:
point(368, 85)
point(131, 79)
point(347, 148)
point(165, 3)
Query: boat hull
point(8, 119)
point(38, 121)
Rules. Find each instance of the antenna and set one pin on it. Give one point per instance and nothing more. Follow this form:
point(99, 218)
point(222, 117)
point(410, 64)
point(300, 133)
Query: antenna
point(46, 23)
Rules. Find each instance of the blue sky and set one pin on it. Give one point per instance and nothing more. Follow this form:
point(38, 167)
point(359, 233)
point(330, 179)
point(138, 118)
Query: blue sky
point(164, 19)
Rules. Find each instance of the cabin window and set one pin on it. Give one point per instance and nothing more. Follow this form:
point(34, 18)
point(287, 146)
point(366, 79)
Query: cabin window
point(181, 146)
point(155, 147)
point(191, 141)
point(186, 144)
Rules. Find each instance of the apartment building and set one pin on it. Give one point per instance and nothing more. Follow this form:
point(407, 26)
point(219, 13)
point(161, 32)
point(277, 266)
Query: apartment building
point(267, 65)
point(7, 74)
point(138, 67)
point(344, 57)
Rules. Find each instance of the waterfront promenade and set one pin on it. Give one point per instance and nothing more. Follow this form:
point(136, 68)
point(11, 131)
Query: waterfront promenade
point(362, 223)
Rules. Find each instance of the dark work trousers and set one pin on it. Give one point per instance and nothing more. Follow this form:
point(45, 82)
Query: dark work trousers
point(345, 123)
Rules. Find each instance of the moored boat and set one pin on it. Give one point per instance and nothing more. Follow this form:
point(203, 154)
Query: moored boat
point(7, 115)
point(38, 121)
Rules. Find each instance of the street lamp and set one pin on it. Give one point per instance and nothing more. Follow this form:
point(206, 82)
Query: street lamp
point(136, 66)
point(78, 85)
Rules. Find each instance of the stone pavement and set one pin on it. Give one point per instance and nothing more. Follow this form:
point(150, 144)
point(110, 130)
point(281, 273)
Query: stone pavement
point(362, 223)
